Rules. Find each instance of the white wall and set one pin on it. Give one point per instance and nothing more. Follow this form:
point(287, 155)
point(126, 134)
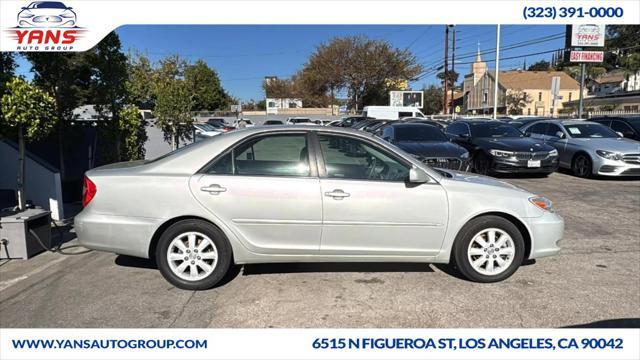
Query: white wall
point(42, 185)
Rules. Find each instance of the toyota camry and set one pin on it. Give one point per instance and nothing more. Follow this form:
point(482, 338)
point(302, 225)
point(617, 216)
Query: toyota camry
point(284, 194)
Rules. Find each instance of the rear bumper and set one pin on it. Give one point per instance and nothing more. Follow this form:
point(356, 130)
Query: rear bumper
point(546, 234)
point(118, 234)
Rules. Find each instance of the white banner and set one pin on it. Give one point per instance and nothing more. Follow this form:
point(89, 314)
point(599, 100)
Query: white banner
point(74, 25)
point(474, 344)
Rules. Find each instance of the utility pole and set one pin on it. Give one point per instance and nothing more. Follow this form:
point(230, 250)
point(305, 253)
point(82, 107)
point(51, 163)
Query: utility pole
point(496, 85)
point(445, 108)
point(453, 68)
point(581, 103)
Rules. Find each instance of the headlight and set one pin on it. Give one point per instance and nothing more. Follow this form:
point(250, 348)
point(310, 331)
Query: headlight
point(609, 155)
point(67, 14)
point(464, 156)
point(501, 153)
point(553, 152)
point(543, 203)
point(26, 14)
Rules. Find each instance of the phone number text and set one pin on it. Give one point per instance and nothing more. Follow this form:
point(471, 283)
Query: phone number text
point(553, 12)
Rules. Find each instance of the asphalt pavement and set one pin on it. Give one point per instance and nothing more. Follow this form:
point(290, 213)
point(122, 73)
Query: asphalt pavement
point(595, 281)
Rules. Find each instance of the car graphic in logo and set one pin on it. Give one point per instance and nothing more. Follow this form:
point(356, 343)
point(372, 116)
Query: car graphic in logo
point(47, 14)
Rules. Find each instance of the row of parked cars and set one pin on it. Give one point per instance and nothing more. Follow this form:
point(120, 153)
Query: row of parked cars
point(604, 146)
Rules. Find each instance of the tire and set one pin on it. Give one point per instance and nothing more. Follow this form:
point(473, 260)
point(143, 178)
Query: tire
point(482, 164)
point(582, 166)
point(210, 255)
point(467, 250)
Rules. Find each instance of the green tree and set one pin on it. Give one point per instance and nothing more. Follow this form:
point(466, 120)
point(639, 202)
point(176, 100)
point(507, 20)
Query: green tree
point(67, 77)
point(517, 100)
point(433, 97)
point(367, 69)
point(108, 87)
point(139, 84)
point(133, 133)
point(31, 112)
point(208, 93)
point(173, 109)
point(7, 68)
point(541, 65)
point(451, 75)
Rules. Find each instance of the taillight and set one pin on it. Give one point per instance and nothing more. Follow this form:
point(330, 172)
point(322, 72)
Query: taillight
point(88, 191)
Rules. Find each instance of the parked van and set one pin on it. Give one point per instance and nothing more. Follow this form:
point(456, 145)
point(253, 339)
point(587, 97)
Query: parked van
point(391, 112)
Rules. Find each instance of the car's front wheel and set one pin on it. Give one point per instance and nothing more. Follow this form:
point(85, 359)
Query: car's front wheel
point(582, 166)
point(193, 255)
point(488, 249)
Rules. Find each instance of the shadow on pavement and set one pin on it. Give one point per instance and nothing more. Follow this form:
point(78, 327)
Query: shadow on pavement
point(609, 324)
point(284, 268)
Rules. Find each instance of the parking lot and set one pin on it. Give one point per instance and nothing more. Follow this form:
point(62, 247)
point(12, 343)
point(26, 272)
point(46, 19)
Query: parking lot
point(594, 281)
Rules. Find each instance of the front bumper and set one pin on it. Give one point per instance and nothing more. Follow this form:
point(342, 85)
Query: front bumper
point(606, 167)
point(546, 234)
point(510, 165)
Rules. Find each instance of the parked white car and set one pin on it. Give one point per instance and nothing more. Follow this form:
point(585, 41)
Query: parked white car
point(309, 194)
point(206, 130)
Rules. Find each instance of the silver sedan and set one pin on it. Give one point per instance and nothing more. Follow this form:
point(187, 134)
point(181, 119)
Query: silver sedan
point(588, 148)
point(309, 194)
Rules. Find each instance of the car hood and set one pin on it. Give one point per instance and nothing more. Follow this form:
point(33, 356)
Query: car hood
point(483, 180)
point(513, 144)
point(431, 148)
point(622, 145)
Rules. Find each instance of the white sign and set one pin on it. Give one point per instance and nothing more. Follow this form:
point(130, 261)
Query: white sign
point(587, 35)
point(586, 56)
point(406, 98)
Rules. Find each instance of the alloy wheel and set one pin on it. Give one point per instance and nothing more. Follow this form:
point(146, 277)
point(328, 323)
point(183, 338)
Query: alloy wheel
point(192, 256)
point(491, 251)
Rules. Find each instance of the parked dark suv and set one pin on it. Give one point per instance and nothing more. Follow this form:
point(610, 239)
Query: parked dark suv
point(628, 126)
point(496, 147)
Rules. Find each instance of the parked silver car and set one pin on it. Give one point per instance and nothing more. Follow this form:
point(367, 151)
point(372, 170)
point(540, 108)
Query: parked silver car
point(309, 194)
point(588, 148)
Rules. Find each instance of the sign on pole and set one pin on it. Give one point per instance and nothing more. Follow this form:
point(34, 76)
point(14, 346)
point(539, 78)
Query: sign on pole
point(587, 35)
point(586, 56)
point(406, 98)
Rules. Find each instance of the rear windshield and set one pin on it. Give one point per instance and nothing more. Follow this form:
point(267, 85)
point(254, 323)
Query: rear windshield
point(494, 130)
point(419, 133)
point(301, 120)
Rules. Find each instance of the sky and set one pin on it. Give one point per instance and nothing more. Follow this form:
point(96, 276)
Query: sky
point(244, 54)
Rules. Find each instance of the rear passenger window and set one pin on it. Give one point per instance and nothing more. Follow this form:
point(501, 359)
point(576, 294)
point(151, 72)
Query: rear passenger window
point(539, 129)
point(275, 155)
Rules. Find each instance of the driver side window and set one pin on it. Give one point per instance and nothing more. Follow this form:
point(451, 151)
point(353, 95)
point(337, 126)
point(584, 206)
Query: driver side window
point(348, 158)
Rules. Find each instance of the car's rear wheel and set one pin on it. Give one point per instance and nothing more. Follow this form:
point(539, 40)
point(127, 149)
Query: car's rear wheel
point(489, 249)
point(193, 255)
point(582, 166)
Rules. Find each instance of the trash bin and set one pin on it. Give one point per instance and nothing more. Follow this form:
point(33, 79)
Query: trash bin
point(16, 239)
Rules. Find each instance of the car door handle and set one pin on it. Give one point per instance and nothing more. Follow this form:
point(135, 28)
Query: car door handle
point(213, 189)
point(337, 194)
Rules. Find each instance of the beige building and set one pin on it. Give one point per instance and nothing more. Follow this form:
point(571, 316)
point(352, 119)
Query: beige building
point(479, 85)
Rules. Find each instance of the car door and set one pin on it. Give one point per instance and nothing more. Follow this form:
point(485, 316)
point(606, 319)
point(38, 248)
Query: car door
point(559, 142)
point(267, 191)
point(537, 130)
point(368, 206)
point(460, 134)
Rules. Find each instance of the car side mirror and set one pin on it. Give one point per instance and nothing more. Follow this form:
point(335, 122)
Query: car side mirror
point(417, 176)
point(69, 8)
point(560, 134)
point(620, 134)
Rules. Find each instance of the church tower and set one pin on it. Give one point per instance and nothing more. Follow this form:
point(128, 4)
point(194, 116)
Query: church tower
point(478, 68)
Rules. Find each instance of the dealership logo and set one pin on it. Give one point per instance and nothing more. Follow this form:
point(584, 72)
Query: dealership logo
point(46, 26)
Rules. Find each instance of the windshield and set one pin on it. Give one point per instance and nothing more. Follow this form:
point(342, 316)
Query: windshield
point(590, 131)
point(419, 133)
point(496, 130)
